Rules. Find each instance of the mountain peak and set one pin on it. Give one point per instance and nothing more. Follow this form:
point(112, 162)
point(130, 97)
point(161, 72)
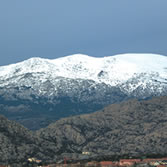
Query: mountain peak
point(78, 56)
point(35, 59)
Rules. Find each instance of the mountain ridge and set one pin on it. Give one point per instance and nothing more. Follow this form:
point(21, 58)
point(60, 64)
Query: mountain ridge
point(85, 67)
point(130, 128)
point(17, 143)
point(51, 89)
point(133, 128)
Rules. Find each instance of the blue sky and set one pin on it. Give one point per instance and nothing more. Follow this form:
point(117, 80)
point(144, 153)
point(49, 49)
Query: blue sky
point(56, 28)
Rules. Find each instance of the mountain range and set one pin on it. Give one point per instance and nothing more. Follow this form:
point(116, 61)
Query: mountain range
point(39, 91)
point(134, 128)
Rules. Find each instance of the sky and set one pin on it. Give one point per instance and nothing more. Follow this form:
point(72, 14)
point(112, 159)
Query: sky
point(56, 28)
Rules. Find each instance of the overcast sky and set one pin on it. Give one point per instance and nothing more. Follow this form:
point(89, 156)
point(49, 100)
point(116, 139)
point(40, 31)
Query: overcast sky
point(56, 28)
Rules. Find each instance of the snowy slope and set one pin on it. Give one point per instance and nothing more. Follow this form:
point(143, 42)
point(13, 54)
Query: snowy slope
point(112, 70)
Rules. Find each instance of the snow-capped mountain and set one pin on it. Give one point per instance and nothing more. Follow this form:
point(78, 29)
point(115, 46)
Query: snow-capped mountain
point(112, 70)
point(80, 83)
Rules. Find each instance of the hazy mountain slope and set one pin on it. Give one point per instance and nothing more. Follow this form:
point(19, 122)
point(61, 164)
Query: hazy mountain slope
point(38, 91)
point(23, 105)
point(132, 127)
